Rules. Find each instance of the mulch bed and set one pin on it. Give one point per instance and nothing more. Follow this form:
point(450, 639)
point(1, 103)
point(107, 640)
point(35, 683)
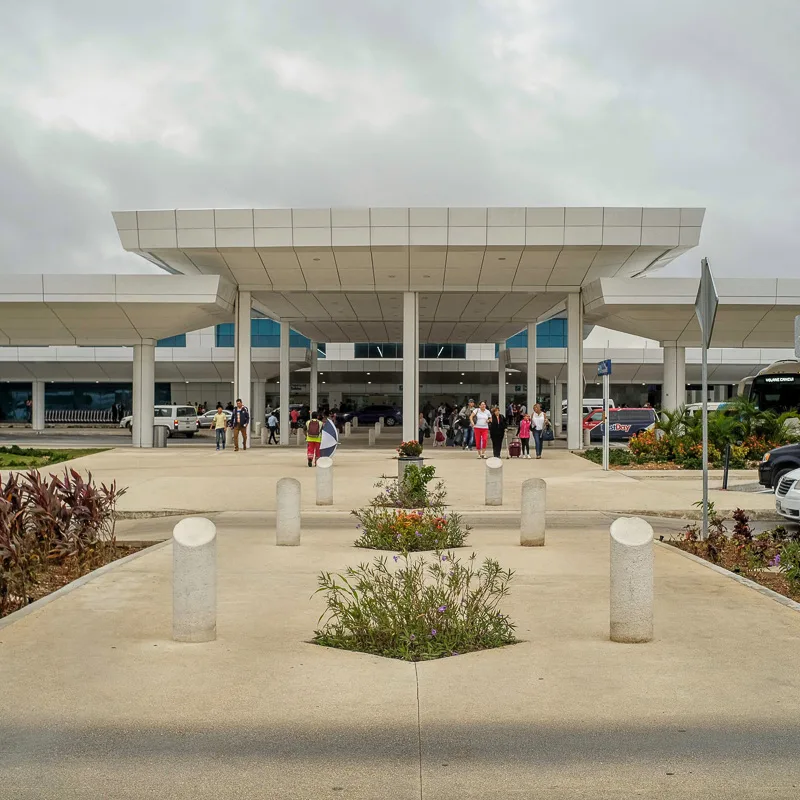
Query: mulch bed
point(771, 580)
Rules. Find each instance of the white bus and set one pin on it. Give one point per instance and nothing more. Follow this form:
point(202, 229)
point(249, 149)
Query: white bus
point(777, 387)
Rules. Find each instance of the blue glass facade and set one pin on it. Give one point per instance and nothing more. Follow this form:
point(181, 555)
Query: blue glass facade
point(173, 341)
point(552, 333)
point(264, 333)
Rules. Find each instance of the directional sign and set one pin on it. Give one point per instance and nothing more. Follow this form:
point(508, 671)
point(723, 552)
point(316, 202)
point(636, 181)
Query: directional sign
point(604, 367)
point(705, 306)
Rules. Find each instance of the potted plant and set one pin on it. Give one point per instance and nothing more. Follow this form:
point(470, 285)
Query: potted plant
point(409, 452)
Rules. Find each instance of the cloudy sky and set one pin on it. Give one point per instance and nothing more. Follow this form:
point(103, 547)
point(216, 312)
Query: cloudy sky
point(260, 103)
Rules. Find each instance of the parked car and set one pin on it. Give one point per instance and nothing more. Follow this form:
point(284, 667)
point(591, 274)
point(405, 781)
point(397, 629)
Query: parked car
point(371, 414)
point(624, 423)
point(176, 419)
point(777, 463)
point(787, 495)
point(205, 420)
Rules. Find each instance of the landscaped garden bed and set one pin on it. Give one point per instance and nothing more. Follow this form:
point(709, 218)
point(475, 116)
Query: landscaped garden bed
point(52, 531)
point(771, 559)
point(16, 457)
point(676, 441)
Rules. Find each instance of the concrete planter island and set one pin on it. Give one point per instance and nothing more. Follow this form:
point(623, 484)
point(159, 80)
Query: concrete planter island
point(404, 463)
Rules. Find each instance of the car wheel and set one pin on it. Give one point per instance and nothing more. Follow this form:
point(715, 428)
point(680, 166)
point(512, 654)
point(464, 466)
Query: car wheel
point(390, 422)
point(777, 477)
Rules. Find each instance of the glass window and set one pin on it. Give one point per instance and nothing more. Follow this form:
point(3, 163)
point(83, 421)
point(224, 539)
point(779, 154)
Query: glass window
point(13, 397)
point(173, 341)
point(431, 350)
point(263, 333)
point(378, 350)
point(187, 411)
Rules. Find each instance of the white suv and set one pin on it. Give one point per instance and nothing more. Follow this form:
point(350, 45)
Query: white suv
point(176, 419)
point(787, 496)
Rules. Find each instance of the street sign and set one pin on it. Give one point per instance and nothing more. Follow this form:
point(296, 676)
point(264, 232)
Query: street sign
point(705, 306)
point(604, 367)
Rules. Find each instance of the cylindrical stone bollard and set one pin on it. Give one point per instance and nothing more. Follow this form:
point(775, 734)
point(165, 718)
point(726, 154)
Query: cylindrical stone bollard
point(631, 580)
point(256, 428)
point(194, 580)
point(355, 422)
point(377, 430)
point(381, 420)
point(371, 436)
point(532, 513)
point(287, 518)
point(299, 437)
point(347, 429)
point(264, 435)
point(325, 481)
point(587, 437)
point(494, 482)
point(228, 437)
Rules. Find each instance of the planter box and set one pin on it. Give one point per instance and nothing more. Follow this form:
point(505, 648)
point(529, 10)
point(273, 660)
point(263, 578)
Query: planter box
point(402, 463)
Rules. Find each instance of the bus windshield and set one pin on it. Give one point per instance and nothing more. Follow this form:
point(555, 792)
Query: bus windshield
point(778, 393)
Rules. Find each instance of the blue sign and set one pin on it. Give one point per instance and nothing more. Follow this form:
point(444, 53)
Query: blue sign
point(604, 367)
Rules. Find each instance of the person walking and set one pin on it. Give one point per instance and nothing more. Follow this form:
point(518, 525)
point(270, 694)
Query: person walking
point(480, 427)
point(438, 430)
point(465, 415)
point(240, 417)
point(538, 422)
point(424, 429)
point(313, 439)
point(497, 431)
point(272, 424)
point(219, 424)
point(294, 416)
point(525, 435)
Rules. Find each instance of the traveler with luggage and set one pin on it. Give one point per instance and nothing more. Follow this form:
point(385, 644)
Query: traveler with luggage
point(539, 427)
point(525, 436)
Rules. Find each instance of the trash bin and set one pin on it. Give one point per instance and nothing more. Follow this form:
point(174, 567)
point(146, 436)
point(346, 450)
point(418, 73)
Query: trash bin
point(160, 436)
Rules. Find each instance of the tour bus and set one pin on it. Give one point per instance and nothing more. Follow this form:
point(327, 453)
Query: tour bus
point(777, 387)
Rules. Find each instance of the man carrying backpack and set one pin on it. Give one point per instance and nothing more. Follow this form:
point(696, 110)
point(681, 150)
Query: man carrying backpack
point(313, 439)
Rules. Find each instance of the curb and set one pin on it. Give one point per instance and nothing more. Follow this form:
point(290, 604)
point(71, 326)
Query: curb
point(76, 584)
point(763, 590)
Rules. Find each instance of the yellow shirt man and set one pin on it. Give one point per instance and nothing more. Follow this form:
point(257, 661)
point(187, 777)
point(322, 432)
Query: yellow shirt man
point(220, 420)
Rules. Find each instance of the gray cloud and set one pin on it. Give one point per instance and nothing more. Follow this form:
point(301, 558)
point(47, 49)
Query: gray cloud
point(198, 104)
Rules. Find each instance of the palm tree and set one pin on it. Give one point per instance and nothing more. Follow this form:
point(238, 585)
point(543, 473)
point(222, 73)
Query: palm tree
point(673, 422)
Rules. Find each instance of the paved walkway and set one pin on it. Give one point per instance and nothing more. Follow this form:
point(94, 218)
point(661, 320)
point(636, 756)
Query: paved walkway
point(203, 480)
point(97, 701)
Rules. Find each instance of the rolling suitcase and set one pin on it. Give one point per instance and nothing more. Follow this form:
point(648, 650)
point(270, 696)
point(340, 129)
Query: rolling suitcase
point(514, 448)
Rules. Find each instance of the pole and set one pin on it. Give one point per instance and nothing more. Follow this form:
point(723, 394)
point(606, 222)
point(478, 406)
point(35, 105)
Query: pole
point(727, 466)
point(606, 422)
point(705, 440)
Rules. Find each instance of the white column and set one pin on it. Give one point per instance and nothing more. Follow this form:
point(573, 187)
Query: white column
point(410, 365)
point(557, 398)
point(259, 403)
point(144, 392)
point(37, 405)
point(313, 400)
point(532, 377)
point(673, 390)
point(244, 358)
point(194, 580)
point(574, 370)
point(501, 376)
point(285, 378)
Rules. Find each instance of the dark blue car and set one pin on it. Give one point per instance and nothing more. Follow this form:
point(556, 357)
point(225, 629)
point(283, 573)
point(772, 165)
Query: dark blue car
point(371, 414)
point(625, 422)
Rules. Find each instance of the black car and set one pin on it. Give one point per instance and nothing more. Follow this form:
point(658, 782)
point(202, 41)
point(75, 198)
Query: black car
point(371, 414)
point(625, 423)
point(776, 463)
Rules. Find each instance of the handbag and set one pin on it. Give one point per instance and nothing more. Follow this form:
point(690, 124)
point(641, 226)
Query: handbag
point(547, 433)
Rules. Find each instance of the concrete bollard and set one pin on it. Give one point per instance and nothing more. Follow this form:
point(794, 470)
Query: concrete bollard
point(494, 482)
point(347, 429)
point(287, 518)
point(377, 430)
point(257, 428)
point(325, 481)
point(194, 580)
point(532, 513)
point(587, 437)
point(264, 435)
point(381, 421)
point(299, 437)
point(355, 422)
point(631, 580)
point(371, 436)
point(228, 437)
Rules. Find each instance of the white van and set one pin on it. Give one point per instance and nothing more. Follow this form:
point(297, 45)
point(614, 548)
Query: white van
point(176, 419)
point(589, 405)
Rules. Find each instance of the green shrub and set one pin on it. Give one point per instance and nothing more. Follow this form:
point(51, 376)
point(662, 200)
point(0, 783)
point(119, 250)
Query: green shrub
point(413, 491)
point(789, 562)
point(407, 531)
point(617, 457)
point(420, 609)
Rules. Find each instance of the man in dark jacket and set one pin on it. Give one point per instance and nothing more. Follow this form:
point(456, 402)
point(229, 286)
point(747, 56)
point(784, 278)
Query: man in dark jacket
point(239, 420)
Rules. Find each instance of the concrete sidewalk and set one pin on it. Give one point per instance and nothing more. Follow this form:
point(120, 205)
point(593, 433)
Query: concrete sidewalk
point(97, 701)
point(205, 481)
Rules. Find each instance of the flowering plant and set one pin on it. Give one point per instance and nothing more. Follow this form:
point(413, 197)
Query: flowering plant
point(410, 449)
point(406, 531)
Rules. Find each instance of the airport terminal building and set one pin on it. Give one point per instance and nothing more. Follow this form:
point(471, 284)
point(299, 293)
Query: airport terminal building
point(395, 305)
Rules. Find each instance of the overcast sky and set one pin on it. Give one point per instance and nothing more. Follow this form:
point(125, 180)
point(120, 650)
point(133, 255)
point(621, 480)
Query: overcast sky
point(202, 103)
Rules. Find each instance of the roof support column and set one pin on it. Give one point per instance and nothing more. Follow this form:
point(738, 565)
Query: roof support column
point(556, 400)
point(37, 405)
point(574, 371)
point(673, 390)
point(313, 388)
point(259, 400)
point(243, 358)
point(144, 392)
point(410, 365)
point(502, 352)
point(285, 379)
point(533, 379)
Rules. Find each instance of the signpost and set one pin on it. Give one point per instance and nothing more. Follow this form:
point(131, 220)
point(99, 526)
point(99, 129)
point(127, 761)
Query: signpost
point(705, 307)
point(604, 369)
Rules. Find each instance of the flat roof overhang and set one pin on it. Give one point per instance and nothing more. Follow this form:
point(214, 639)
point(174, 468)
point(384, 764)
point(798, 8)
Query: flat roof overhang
point(107, 310)
point(482, 273)
point(752, 312)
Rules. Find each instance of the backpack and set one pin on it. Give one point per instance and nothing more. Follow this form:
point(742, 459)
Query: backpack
point(313, 427)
